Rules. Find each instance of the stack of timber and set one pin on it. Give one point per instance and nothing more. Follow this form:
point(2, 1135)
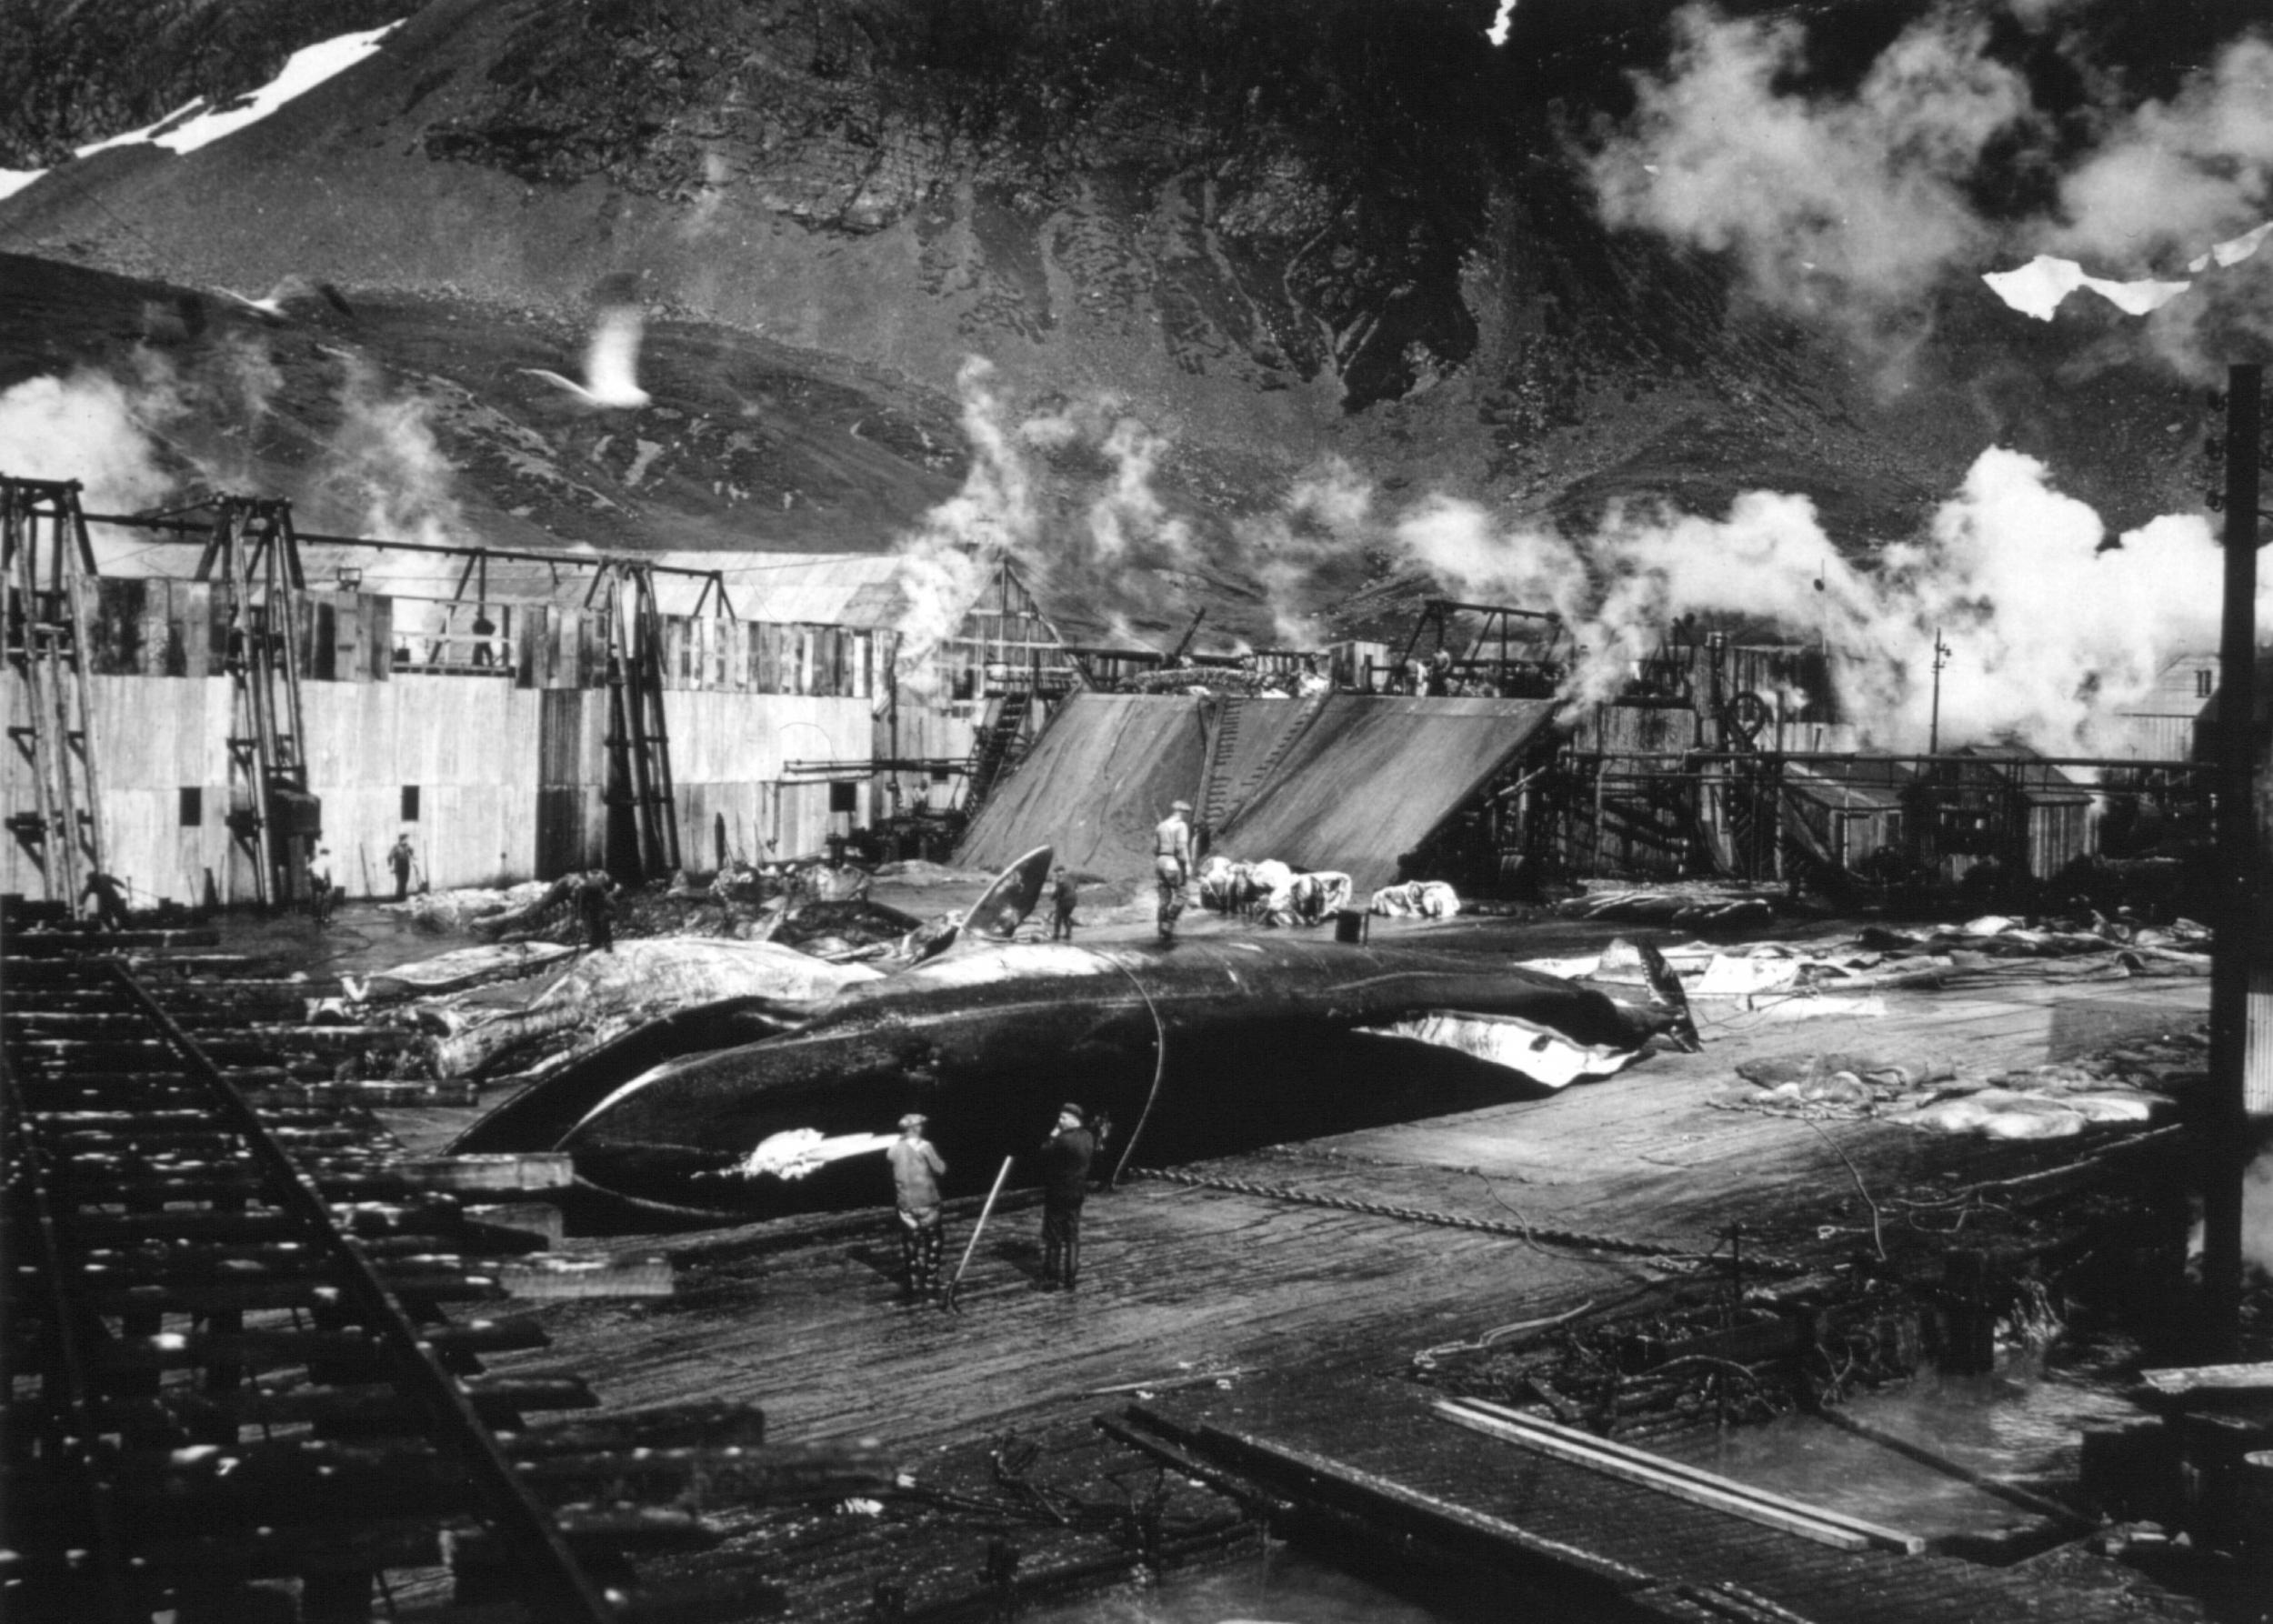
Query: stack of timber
point(1552, 1521)
point(236, 1385)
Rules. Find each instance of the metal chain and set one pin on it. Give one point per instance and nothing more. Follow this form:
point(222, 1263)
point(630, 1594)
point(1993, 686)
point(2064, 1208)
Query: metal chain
point(1418, 1215)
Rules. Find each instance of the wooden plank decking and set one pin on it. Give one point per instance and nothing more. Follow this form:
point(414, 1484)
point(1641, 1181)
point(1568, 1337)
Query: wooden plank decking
point(1177, 1278)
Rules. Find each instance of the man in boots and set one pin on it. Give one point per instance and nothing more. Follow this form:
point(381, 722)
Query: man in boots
point(915, 1170)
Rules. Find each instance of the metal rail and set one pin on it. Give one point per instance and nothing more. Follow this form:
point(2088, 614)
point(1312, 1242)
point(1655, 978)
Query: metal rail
point(556, 1585)
point(174, 1156)
point(26, 1164)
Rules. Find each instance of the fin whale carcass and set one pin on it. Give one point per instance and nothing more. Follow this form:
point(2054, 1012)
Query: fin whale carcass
point(1213, 1042)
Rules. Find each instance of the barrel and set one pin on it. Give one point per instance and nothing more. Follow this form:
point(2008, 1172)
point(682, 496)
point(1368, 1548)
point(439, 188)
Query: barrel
point(1349, 925)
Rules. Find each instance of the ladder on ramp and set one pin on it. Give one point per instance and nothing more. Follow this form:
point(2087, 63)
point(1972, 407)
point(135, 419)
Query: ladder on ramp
point(643, 808)
point(1238, 801)
point(48, 562)
point(995, 749)
point(1215, 777)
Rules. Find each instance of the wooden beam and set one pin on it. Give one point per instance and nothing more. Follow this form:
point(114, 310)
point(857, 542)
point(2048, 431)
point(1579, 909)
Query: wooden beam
point(1677, 1479)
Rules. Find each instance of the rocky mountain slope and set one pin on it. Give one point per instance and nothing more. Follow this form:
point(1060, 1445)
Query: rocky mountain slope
point(1210, 250)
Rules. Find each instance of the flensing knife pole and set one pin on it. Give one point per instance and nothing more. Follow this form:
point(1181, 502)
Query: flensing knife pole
point(946, 1300)
point(2225, 1133)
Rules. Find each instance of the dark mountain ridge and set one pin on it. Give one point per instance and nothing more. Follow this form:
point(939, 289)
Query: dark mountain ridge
point(1272, 234)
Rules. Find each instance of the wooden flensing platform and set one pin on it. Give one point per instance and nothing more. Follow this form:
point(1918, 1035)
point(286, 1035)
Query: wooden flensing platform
point(1316, 1308)
point(1175, 1276)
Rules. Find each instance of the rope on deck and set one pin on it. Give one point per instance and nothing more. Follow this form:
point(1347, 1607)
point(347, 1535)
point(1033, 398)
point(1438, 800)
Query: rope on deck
point(1421, 1215)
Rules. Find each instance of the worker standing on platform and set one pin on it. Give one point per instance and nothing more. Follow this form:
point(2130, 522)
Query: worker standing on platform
point(110, 905)
point(915, 1170)
point(1064, 896)
point(1065, 1158)
point(320, 887)
point(1172, 863)
point(400, 860)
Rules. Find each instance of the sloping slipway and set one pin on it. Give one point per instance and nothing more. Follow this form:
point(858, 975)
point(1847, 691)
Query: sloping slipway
point(1348, 783)
point(1102, 774)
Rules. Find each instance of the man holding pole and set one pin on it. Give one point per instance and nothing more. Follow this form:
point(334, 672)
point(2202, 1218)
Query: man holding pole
point(1065, 1159)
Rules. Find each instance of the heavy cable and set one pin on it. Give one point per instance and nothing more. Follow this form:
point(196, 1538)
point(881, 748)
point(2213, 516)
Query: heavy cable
point(1159, 1065)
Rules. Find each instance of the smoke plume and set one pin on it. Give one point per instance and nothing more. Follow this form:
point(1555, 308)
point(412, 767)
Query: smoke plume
point(384, 475)
point(385, 467)
point(1128, 557)
point(2051, 631)
point(1849, 207)
point(88, 426)
point(1846, 207)
point(1327, 517)
point(2171, 177)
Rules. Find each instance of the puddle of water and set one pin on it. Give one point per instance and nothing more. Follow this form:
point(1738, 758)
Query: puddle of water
point(1280, 1585)
point(2022, 1424)
point(360, 939)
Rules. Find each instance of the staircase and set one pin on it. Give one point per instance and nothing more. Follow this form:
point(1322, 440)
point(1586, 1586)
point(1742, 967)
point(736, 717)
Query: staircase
point(996, 748)
point(46, 642)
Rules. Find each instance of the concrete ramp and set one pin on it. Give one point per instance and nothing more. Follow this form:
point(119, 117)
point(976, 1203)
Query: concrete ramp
point(1346, 781)
point(1101, 776)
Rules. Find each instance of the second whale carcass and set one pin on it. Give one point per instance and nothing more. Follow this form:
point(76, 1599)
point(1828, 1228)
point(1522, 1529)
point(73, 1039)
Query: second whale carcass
point(1207, 1047)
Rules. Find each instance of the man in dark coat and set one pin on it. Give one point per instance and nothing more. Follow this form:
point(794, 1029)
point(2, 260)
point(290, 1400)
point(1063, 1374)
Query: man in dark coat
point(1065, 1158)
point(400, 860)
point(598, 912)
point(1064, 896)
point(110, 905)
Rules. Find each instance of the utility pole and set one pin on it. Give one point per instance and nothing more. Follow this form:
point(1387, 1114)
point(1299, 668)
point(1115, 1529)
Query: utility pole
point(2226, 1129)
point(1933, 726)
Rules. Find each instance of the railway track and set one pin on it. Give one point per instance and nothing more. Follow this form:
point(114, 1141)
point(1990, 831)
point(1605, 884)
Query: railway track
point(243, 1345)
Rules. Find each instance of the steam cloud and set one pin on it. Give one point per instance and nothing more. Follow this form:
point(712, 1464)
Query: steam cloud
point(2049, 633)
point(1850, 207)
point(1844, 208)
point(88, 426)
point(1128, 550)
point(2053, 627)
point(146, 440)
point(2175, 175)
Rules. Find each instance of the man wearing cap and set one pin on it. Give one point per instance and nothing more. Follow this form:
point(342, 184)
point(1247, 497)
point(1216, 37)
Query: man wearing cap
point(915, 1170)
point(1172, 863)
point(1065, 1158)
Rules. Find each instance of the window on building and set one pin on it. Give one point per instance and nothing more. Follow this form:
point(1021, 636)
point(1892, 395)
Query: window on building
point(410, 803)
point(193, 806)
point(844, 797)
point(2202, 684)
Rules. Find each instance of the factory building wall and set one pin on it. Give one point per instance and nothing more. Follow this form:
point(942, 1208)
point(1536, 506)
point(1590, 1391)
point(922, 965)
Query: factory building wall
point(497, 773)
point(467, 747)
